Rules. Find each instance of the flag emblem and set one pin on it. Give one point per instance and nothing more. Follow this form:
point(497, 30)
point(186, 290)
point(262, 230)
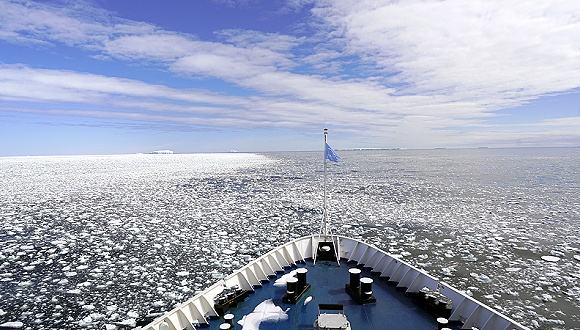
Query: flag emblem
point(330, 154)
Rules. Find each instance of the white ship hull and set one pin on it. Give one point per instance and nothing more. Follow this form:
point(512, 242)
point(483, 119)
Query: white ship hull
point(200, 308)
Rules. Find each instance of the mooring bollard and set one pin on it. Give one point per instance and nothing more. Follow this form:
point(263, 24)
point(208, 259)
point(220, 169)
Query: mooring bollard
point(354, 278)
point(301, 275)
point(442, 323)
point(291, 286)
point(366, 288)
point(229, 318)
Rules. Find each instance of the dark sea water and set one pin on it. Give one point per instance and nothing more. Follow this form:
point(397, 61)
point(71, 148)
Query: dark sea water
point(92, 240)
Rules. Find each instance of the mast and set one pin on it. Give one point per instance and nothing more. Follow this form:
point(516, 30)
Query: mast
point(325, 212)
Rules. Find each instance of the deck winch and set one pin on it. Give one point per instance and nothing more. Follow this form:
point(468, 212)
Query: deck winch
point(435, 302)
point(228, 298)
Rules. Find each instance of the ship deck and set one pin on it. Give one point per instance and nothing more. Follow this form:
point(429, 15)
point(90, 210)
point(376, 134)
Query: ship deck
point(392, 310)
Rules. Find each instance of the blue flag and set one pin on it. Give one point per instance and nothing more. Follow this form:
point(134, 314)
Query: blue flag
point(330, 154)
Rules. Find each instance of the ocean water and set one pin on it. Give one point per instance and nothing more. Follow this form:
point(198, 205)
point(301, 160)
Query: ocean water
point(92, 240)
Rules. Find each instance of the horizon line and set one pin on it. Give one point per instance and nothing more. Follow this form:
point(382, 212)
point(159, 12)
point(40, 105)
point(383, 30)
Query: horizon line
point(293, 151)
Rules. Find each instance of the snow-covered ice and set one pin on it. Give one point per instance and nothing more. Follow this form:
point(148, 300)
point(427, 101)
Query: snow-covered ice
point(266, 311)
point(284, 278)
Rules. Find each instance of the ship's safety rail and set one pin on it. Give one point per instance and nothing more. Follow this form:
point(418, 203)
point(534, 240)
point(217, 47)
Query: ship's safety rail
point(199, 309)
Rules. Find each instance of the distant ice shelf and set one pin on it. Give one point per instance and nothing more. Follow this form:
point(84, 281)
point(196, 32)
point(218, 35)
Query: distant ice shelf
point(162, 152)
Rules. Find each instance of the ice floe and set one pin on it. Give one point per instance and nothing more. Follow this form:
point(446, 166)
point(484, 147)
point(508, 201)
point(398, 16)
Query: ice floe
point(12, 325)
point(551, 258)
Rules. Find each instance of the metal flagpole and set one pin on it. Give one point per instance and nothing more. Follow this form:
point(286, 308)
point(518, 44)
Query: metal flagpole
point(325, 214)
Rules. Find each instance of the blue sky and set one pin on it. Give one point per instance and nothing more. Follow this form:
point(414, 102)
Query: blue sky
point(104, 76)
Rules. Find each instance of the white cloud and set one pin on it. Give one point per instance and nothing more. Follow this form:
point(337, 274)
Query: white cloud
point(434, 66)
point(22, 82)
point(51, 88)
point(26, 21)
point(482, 50)
point(250, 39)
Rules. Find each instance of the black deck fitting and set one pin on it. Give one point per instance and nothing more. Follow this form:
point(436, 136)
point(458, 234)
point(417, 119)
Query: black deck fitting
point(356, 295)
point(295, 288)
point(330, 307)
point(326, 251)
point(293, 298)
point(433, 302)
point(231, 300)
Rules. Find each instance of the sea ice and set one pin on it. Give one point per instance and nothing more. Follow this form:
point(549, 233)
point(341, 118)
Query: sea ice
point(159, 303)
point(86, 321)
point(12, 325)
point(97, 316)
point(481, 278)
point(187, 209)
point(550, 258)
point(127, 323)
point(133, 314)
point(228, 251)
point(513, 269)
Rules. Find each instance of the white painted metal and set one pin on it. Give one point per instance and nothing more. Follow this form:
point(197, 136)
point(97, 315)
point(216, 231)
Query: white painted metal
point(466, 309)
point(259, 271)
point(324, 209)
point(375, 259)
point(267, 268)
